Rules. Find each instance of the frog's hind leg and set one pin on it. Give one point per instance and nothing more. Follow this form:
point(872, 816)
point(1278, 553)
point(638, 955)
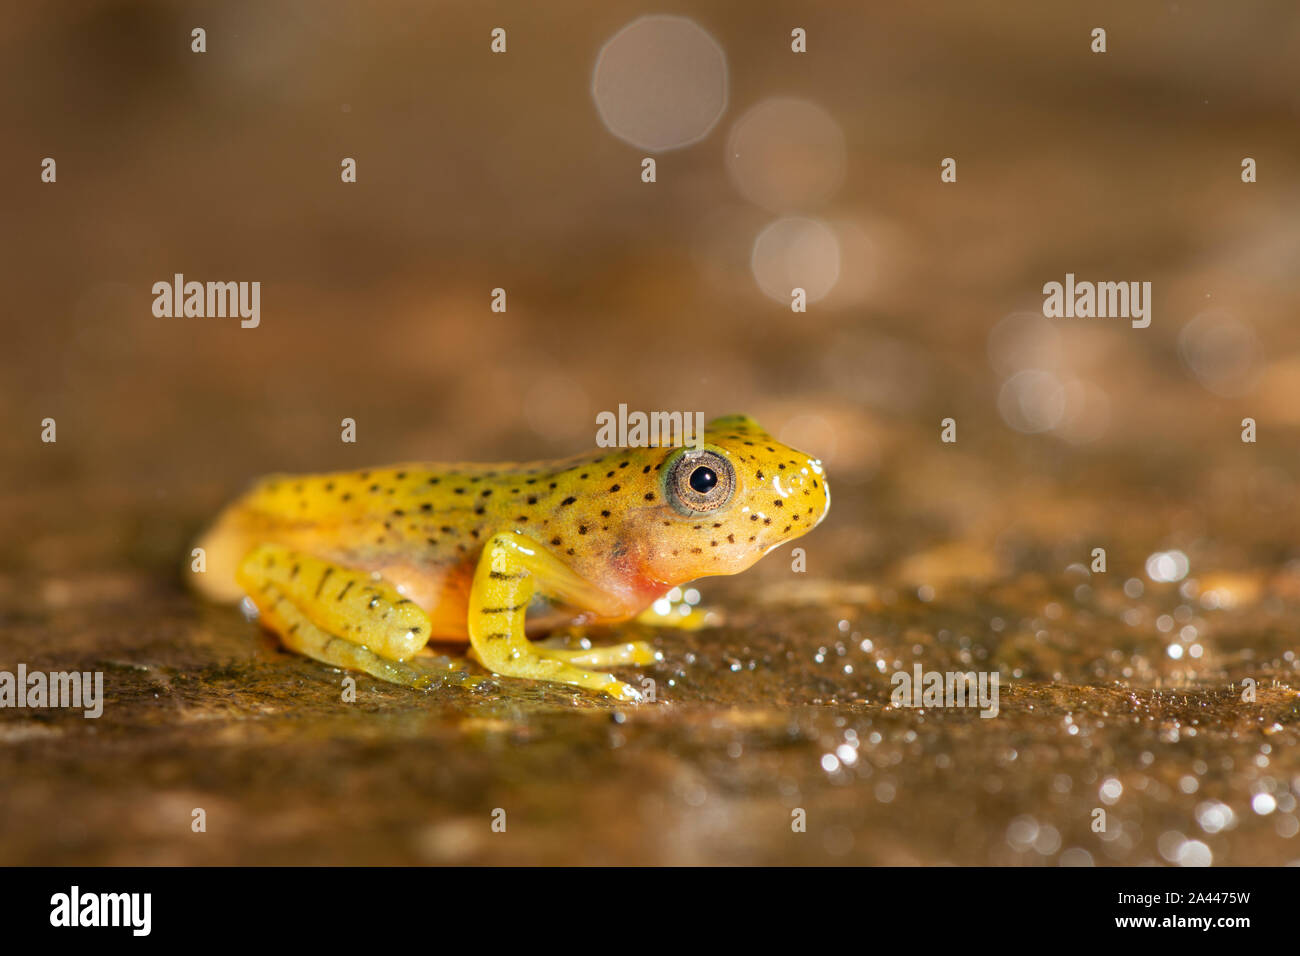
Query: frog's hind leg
point(511, 570)
point(336, 615)
point(299, 634)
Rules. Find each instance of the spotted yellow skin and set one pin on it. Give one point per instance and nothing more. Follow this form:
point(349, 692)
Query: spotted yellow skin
point(362, 569)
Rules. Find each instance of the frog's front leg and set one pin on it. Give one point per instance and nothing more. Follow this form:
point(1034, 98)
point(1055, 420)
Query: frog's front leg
point(336, 615)
point(511, 570)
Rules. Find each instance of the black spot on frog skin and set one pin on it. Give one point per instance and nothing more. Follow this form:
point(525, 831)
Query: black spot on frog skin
point(426, 507)
point(568, 501)
point(605, 514)
point(400, 476)
point(582, 529)
point(614, 488)
point(649, 496)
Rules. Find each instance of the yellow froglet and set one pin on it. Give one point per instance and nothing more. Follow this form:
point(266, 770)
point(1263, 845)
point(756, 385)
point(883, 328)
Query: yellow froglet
point(361, 569)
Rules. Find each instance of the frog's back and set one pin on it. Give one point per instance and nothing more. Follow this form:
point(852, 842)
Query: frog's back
point(421, 525)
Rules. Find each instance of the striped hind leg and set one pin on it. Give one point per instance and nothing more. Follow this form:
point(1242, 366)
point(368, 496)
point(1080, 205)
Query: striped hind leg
point(336, 615)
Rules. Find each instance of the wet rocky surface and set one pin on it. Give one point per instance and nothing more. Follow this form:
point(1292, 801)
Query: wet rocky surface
point(785, 706)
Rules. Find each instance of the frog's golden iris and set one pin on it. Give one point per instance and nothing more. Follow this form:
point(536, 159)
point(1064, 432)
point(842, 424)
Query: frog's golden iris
point(362, 569)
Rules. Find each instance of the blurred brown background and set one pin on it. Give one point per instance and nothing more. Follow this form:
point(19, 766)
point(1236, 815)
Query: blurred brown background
point(479, 171)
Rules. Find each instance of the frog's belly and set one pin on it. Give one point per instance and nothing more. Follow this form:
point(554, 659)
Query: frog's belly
point(442, 591)
point(444, 595)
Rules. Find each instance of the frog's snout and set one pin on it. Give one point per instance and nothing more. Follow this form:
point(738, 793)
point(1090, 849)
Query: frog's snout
point(811, 486)
point(825, 490)
point(801, 502)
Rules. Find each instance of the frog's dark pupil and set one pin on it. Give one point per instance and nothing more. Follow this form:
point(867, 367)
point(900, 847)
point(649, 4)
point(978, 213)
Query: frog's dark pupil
point(703, 480)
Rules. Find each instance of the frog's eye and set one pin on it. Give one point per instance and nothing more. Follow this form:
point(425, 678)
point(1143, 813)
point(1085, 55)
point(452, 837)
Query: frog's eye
point(700, 482)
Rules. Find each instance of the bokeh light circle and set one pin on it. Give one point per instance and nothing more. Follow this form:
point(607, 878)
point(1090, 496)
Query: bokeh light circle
point(1221, 351)
point(786, 154)
point(660, 83)
point(1032, 401)
point(796, 253)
